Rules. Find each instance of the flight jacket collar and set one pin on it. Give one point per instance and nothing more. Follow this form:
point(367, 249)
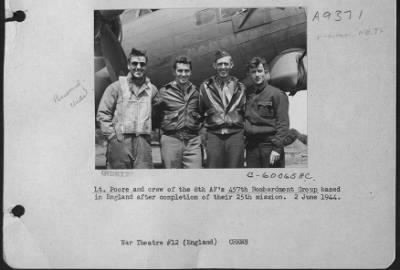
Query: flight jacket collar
point(216, 83)
point(188, 89)
point(145, 86)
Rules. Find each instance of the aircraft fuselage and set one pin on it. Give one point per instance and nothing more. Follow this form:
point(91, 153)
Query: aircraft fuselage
point(198, 33)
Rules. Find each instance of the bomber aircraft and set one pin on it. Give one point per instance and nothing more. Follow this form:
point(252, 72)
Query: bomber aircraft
point(277, 34)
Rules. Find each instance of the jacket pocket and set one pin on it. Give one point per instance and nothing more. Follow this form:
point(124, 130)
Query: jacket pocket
point(214, 117)
point(235, 118)
point(170, 121)
point(265, 109)
point(193, 120)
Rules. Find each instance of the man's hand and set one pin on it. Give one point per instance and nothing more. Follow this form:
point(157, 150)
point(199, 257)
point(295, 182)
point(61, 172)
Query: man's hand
point(119, 131)
point(274, 157)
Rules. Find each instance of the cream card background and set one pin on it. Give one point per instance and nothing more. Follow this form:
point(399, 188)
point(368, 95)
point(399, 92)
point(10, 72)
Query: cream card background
point(49, 156)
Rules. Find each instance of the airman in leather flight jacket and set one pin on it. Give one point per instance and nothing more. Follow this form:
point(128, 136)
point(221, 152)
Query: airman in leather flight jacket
point(218, 118)
point(179, 109)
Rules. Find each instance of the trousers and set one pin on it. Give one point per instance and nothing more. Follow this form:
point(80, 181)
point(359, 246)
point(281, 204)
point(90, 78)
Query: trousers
point(181, 153)
point(225, 150)
point(133, 152)
point(258, 155)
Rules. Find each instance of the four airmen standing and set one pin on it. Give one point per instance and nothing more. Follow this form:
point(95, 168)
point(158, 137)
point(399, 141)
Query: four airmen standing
point(229, 111)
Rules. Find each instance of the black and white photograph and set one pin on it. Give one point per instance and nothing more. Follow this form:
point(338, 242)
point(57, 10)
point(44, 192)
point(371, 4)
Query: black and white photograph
point(213, 134)
point(201, 88)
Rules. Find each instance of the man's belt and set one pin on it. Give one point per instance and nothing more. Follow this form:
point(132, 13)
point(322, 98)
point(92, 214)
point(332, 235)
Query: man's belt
point(182, 134)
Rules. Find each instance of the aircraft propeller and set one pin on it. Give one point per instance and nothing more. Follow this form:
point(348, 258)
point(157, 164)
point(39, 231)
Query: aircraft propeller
point(110, 60)
point(107, 39)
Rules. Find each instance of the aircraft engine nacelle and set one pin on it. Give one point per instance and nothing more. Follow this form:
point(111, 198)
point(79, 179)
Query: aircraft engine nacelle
point(289, 70)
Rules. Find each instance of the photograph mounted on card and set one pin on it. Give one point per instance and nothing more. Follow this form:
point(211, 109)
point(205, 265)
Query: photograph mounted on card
point(169, 100)
point(174, 134)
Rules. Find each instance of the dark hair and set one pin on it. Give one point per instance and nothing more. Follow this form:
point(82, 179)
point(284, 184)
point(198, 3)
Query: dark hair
point(182, 59)
point(256, 61)
point(221, 53)
point(136, 52)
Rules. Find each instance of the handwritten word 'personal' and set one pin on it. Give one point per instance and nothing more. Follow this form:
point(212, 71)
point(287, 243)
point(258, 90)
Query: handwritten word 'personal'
point(337, 15)
point(77, 88)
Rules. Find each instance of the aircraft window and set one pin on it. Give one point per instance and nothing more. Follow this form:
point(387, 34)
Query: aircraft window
point(205, 16)
point(228, 12)
point(144, 12)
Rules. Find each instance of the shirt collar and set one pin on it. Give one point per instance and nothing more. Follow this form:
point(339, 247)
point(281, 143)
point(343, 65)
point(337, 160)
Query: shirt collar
point(145, 81)
point(260, 87)
point(175, 85)
point(220, 82)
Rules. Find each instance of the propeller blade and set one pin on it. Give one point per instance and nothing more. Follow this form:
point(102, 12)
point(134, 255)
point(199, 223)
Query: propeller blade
point(113, 53)
point(101, 81)
point(99, 63)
